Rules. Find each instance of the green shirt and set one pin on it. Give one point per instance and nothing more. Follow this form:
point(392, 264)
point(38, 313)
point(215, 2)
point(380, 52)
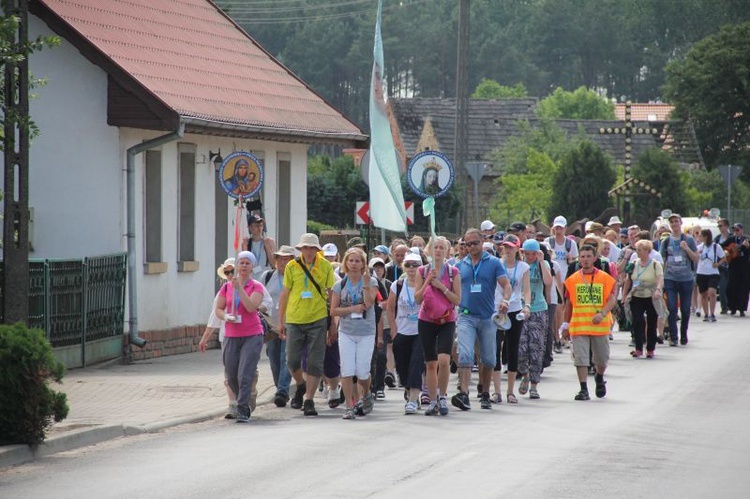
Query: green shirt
point(305, 304)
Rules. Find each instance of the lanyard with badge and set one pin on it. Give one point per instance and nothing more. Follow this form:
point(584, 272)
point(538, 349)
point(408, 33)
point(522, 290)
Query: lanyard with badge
point(306, 293)
point(354, 294)
point(476, 287)
point(412, 317)
point(512, 279)
point(676, 252)
point(637, 280)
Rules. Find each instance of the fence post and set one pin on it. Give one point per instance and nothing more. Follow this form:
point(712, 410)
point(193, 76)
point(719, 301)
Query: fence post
point(47, 300)
point(84, 310)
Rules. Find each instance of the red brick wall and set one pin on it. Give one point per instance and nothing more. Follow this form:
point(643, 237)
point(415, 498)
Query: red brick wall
point(175, 341)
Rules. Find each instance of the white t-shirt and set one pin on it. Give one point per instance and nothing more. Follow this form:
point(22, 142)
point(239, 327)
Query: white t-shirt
point(709, 255)
point(515, 276)
point(408, 309)
point(560, 255)
point(558, 277)
point(614, 251)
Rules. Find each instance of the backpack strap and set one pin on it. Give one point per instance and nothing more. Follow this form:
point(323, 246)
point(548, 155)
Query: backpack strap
point(267, 276)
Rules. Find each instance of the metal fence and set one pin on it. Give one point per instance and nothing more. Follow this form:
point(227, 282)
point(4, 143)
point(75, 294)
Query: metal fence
point(76, 301)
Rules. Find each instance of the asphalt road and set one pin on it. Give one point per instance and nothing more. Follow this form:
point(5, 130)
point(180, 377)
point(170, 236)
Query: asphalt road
point(674, 426)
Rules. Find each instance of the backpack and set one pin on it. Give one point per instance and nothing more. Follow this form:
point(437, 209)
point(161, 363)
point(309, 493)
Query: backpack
point(568, 244)
point(663, 252)
point(267, 276)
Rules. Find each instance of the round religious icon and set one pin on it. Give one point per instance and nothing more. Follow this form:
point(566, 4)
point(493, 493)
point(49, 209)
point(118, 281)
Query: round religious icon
point(430, 174)
point(241, 175)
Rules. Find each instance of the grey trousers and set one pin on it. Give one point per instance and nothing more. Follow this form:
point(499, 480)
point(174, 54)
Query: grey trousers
point(241, 356)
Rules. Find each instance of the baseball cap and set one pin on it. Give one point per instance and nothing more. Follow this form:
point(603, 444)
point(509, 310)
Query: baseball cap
point(737, 226)
point(531, 245)
point(559, 221)
point(382, 249)
point(375, 261)
point(674, 215)
point(330, 249)
point(412, 257)
point(512, 241)
point(498, 237)
point(517, 227)
point(487, 225)
point(254, 218)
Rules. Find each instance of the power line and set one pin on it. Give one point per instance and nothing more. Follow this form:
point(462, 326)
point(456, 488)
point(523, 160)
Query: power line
point(249, 9)
point(245, 19)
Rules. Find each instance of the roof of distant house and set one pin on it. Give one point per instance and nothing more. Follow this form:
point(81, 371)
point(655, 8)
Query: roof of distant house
point(170, 61)
point(645, 112)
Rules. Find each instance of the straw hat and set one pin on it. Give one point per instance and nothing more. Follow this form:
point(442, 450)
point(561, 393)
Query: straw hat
point(229, 262)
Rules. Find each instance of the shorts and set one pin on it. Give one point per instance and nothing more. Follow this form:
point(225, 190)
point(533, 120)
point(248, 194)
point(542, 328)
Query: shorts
point(472, 330)
point(705, 281)
point(436, 338)
point(583, 346)
point(311, 336)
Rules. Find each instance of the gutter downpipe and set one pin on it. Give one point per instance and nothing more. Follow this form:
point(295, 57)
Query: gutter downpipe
point(132, 279)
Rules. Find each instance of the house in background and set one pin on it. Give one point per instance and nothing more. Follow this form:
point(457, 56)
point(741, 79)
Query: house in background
point(159, 86)
point(429, 123)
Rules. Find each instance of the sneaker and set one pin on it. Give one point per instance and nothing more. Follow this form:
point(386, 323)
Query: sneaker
point(636, 353)
point(349, 414)
point(660, 340)
point(281, 399)
point(380, 395)
point(558, 347)
point(309, 408)
point(485, 402)
point(367, 404)
point(390, 380)
point(231, 411)
point(742, 313)
point(601, 387)
point(697, 313)
point(443, 406)
point(582, 395)
point(683, 341)
point(707, 319)
point(496, 398)
point(243, 414)
point(480, 390)
point(475, 368)
point(461, 400)
point(650, 354)
point(533, 393)
point(410, 407)
point(723, 311)
point(424, 398)
point(672, 343)
point(713, 318)
point(299, 394)
point(334, 397)
point(432, 409)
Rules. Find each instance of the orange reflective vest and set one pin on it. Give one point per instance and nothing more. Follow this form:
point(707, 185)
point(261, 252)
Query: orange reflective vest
point(588, 294)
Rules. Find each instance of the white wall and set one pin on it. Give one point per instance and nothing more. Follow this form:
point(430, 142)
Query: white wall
point(75, 184)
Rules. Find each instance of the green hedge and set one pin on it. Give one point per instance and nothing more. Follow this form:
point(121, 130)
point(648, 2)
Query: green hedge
point(28, 404)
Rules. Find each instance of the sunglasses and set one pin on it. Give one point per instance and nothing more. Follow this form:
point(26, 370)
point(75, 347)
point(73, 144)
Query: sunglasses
point(411, 265)
point(473, 243)
point(229, 272)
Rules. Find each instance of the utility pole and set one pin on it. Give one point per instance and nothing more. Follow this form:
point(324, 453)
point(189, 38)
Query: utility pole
point(15, 275)
point(462, 106)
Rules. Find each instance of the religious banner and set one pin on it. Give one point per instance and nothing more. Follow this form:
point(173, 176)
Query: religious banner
point(241, 175)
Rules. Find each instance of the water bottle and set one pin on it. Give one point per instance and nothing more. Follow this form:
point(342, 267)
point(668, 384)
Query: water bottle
point(520, 316)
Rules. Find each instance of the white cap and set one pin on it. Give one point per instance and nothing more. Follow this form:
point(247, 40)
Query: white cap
point(588, 225)
point(487, 225)
point(412, 257)
point(614, 220)
point(415, 250)
point(487, 246)
point(330, 249)
point(375, 260)
point(559, 221)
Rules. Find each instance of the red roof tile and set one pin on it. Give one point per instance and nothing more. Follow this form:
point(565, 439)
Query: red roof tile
point(645, 112)
point(200, 64)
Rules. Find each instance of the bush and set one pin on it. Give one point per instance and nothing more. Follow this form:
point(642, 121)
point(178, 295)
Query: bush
point(28, 404)
point(316, 227)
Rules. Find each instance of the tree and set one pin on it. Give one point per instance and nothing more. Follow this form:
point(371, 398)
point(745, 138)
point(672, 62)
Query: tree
point(526, 196)
point(711, 87)
point(582, 182)
point(490, 89)
point(662, 172)
point(581, 104)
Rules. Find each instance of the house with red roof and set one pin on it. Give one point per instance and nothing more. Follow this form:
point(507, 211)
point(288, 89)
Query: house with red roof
point(141, 96)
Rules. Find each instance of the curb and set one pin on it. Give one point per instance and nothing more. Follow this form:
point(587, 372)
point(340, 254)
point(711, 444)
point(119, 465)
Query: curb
point(14, 455)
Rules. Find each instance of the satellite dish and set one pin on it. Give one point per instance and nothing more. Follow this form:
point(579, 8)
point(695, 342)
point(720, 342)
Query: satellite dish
point(665, 213)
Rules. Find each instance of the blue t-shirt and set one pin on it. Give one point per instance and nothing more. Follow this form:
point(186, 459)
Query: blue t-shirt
point(478, 284)
point(536, 281)
point(677, 264)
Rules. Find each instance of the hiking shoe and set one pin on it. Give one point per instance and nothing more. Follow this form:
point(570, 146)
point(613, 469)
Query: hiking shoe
point(299, 394)
point(533, 393)
point(443, 406)
point(461, 400)
point(281, 399)
point(524, 386)
point(432, 409)
point(496, 398)
point(485, 401)
point(243, 414)
point(410, 407)
point(424, 398)
point(349, 414)
point(231, 411)
point(390, 380)
point(380, 395)
point(601, 386)
point(367, 404)
point(334, 397)
point(582, 395)
point(309, 408)
point(713, 318)
point(707, 318)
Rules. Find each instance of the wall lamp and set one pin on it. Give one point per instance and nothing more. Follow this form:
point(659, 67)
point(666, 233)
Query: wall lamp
point(216, 158)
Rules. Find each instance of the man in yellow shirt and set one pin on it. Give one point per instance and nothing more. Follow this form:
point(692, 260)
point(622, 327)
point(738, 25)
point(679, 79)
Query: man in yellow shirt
point(590, 297)
point(303, 318)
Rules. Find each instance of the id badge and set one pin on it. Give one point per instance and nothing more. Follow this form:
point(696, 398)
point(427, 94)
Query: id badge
point(306, 295)
point(636, 284)
point(412, 317)
point(677, 258)
point(356, 315)
point(476, 288)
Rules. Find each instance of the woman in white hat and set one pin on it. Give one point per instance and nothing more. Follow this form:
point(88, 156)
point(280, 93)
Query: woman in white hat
point(238, 304)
